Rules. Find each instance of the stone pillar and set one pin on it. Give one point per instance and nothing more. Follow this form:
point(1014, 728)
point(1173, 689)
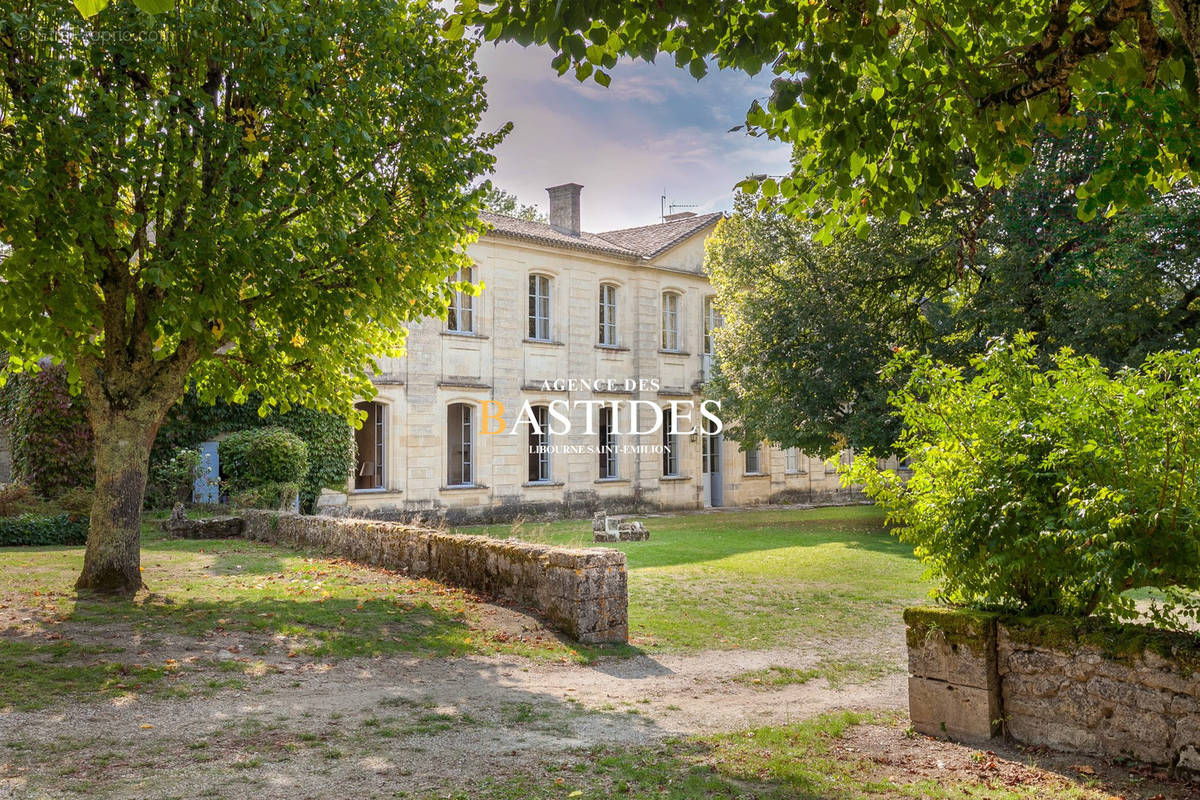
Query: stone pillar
point(954, 684)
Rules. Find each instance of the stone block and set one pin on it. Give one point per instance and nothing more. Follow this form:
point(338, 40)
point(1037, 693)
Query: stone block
point(965, 713)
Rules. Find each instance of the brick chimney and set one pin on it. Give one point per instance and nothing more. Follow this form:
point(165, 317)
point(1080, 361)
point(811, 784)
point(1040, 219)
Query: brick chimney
point(564, 208)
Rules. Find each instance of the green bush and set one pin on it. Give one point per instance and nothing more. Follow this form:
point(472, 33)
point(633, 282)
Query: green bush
point(1049, 491)
point(172, 479)
point(259, 457)
point(77, 502)
point(38, 531)
point(270, 496)
point(329, 437)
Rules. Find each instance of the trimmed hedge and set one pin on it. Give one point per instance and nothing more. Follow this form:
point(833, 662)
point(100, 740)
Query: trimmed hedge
point(39, 531)
point(260, 457)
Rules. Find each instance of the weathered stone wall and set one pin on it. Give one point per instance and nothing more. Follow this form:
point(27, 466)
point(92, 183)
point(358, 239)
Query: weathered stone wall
point(582, 592)
point(1104, 691)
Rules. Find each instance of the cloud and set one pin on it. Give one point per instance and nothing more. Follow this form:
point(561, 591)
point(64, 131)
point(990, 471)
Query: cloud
point(655, 130)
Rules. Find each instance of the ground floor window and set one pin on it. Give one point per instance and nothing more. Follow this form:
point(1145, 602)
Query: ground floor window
point(608, 443)
point(370, 438)
point(754, 460)
point(460, 444)
point(539, 443)
point(793, 460)
point(670, 442)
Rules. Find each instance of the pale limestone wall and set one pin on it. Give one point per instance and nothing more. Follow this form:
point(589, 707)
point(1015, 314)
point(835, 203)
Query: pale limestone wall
point(497, 363)
point(580, 591)
point(1109, 693)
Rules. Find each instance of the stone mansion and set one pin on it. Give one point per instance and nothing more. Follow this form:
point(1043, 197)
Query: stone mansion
point(570, 384)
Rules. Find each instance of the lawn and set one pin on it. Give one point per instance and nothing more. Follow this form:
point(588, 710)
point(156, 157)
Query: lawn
point(756, 579)
point(220, 612)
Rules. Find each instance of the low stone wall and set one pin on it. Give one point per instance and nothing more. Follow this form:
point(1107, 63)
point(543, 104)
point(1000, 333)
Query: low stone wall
point(1088, 688)
point(582, 592)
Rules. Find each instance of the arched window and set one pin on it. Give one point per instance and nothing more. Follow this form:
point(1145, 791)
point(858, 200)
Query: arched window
point(460, 444)
point(539, 445)
point(461, 318)
point(372, 449)
point(539, 308)
point(608, 314)
point(670, 321)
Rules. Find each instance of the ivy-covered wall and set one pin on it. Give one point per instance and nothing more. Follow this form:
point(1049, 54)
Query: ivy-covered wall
point(330, 438)
point(50, 436)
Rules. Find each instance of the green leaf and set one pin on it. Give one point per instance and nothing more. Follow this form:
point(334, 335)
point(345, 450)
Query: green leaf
point(90, 8)
point(877, 93)
point(155, 6)
point(601, 77)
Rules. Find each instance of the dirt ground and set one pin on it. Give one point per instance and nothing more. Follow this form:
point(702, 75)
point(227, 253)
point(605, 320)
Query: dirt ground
point(485, 716)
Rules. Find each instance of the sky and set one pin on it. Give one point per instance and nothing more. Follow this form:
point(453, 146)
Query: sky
point(654, 130)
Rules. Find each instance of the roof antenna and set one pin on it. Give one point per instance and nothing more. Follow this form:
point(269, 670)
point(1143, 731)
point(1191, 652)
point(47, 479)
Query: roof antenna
point(666, 211)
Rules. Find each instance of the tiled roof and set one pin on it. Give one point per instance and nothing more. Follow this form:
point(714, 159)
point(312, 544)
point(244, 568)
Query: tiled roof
point(542, 233)
point(641, 243)
point(649, 241)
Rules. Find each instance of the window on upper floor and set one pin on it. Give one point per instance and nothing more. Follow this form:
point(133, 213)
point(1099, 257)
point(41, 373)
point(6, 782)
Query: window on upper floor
point(539, 444)
point(608, 314)
point(461, 318)
point(670, 440)
point(712, 321)
point(370, 443)
point(608, 443)
point(539, 307)
point(670, 321)
point(460, 444)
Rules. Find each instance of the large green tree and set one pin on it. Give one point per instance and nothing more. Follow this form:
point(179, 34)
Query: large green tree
point(252, 196)
point(879, 97)
point(812, 325)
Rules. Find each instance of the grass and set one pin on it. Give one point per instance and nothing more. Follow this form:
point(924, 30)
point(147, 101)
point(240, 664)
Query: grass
point(725, 580)
point(274, 602)
point(803, 761)
point(756, 579)
point(837, 672)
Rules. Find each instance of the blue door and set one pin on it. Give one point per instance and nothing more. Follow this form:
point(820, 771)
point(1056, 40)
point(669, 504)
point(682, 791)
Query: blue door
point(207, 487)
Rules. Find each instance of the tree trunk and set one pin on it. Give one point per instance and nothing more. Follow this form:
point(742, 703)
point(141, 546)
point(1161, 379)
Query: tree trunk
point(123, 438)
point(1187, 19)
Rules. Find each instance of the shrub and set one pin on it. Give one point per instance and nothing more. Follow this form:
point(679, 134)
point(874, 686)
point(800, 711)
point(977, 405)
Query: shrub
point(329, 437)
point(1049, 491)
point(16, 499)
point(270, 496)
point(77, 502)
point(172, 479)
point(37, 531)
point(258, 457)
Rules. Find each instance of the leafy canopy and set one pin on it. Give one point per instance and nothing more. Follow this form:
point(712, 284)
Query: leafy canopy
point(1048, 491)
point(809, 327)
point(878, 97)
point(254, 193)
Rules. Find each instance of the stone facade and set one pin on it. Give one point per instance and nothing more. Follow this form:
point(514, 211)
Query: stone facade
point(1109, 692)
point(581, 592)
point(487, 358)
